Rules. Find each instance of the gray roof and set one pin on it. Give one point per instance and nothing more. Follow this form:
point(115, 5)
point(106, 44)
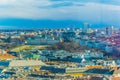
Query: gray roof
point(100, 71)
point(23, 63)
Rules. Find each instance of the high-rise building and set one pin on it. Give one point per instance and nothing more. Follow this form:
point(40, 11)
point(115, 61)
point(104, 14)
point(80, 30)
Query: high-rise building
point(112, 29)
point(85, 27)
point(107, 31)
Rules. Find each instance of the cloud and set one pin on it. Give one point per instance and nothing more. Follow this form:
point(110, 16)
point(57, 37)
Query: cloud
point(84, 10)
point(111, 2)
point(34, 9)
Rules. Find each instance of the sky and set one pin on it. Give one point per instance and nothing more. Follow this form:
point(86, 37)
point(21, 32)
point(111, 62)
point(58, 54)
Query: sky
point(58, 13)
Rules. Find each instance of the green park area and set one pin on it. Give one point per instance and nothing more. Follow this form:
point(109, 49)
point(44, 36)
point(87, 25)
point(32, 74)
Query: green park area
point(28, 47)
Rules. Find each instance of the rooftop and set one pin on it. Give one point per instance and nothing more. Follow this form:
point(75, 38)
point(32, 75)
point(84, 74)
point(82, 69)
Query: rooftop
point(23, 63)
point(100, 71)
point(6, 56)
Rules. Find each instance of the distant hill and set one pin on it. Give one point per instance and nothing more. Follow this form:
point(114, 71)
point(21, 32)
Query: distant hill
point(16, 23)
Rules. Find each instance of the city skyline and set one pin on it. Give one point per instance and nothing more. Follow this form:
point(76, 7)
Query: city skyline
point(45, 13)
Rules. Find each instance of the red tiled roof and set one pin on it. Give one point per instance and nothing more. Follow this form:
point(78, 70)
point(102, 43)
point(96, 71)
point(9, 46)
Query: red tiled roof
point(115, 78)
point(6, 56)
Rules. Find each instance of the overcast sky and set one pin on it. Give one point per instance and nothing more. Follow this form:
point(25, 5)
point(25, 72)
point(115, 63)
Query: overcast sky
point(92, 11)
